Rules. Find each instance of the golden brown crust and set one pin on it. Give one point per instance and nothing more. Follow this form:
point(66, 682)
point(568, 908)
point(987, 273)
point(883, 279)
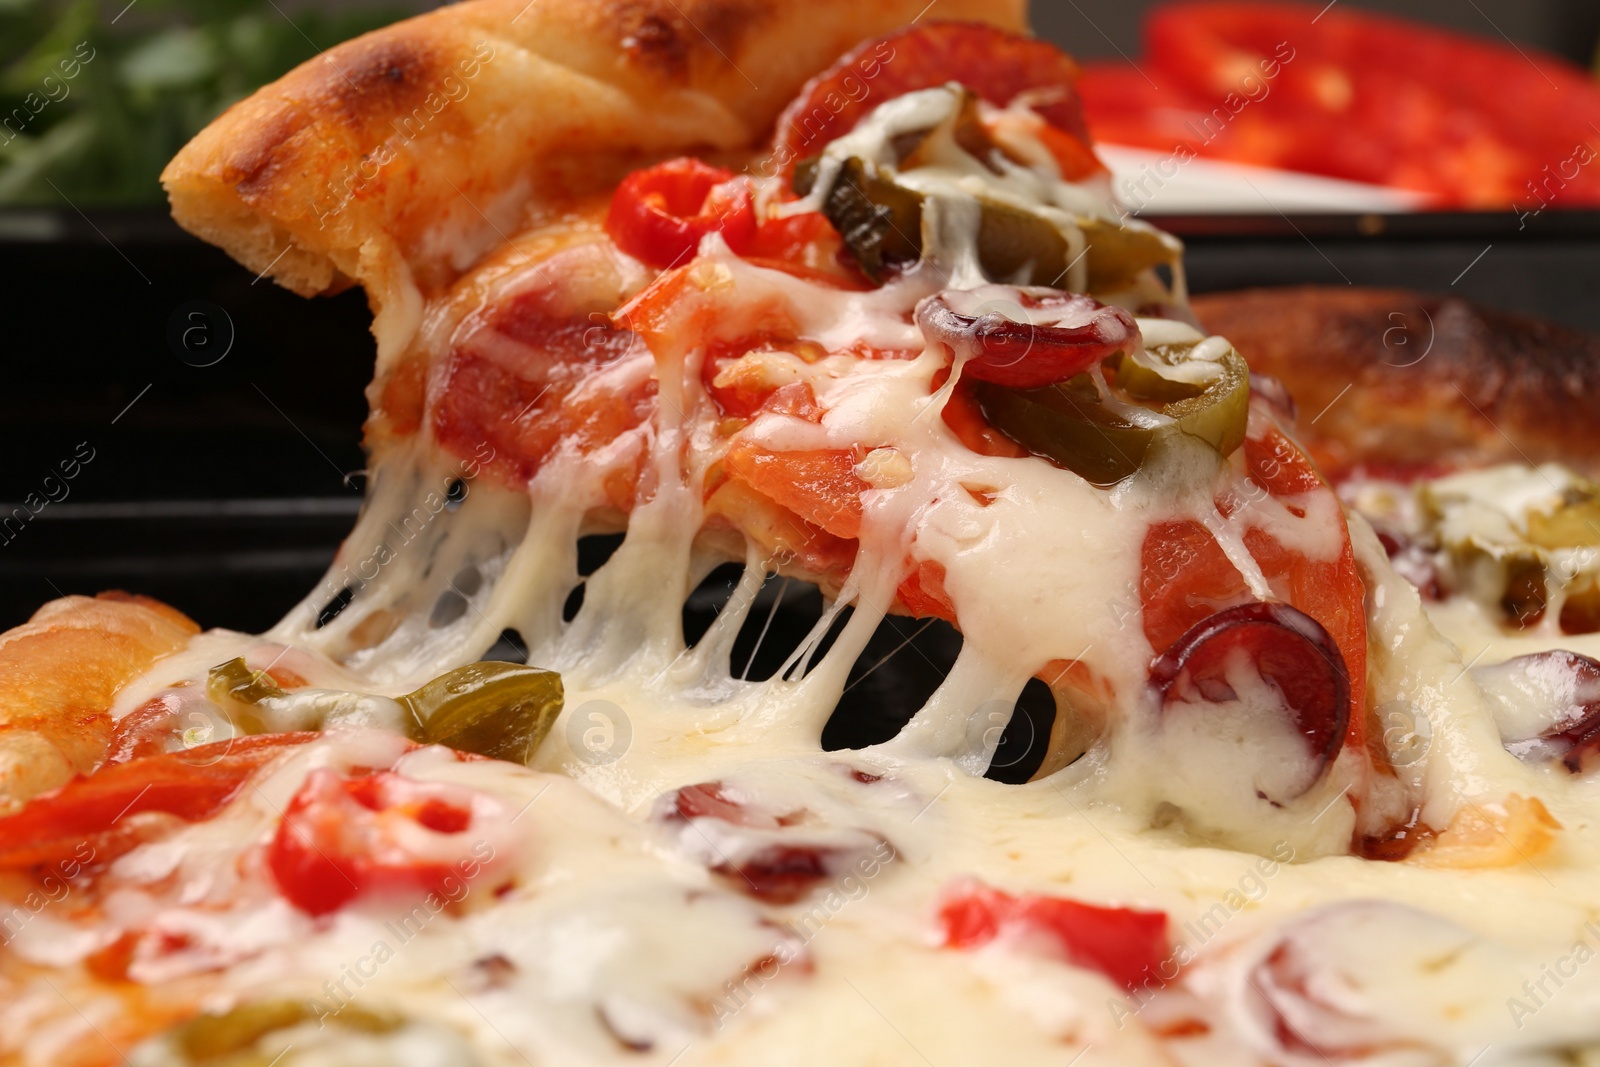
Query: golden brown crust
point(409, 151)
point(59, 673)
point(1393, 378)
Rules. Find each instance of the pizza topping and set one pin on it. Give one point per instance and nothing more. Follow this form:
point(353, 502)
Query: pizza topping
point(926, 178)
point(1547, 706)
point(1126, 945)
point(192, 785)
point(250, 703)
point(775, 856)
point(1520, 542)
point(660, 214)
point(1228, 660)
point(1025, 338)
point(342, 838)
point(1002, 68)
point(1371, 981)
point(499, 710)
point(292, 1033)
point(1103, 426)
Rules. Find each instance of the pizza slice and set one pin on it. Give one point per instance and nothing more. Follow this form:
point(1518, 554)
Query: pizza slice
point(895, 340)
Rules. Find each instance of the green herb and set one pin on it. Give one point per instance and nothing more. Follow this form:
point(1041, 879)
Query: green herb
point(96, 98)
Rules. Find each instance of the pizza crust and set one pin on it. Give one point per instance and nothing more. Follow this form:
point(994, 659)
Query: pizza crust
point(1391, 378)
point(407, 153)
point(59, 672)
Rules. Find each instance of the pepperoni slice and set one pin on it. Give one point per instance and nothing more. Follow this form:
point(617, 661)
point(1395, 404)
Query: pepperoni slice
point(997, 65)
point(1288, 647)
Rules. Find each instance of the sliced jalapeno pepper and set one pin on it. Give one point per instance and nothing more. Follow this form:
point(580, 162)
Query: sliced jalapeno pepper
point(1103, 439)
point(239, 689)
point(1117, 254)
point(880, 220)
point(499, 710)
point(235, 680)
point(232, 1037)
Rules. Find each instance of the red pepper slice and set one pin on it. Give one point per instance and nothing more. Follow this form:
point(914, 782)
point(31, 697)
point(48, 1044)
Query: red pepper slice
point(1127, 946)
point(997, 65)
point(342, 838)
point(660, 214)
point(193, 785)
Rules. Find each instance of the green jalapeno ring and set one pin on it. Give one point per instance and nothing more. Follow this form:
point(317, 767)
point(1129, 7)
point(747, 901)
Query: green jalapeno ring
point(237, 688)
point(1073, 426)
point(500, 710)
point(880, 220)
point(230, 1037)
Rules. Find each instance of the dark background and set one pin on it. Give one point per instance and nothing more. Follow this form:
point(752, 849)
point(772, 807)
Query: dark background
point(225, 489)
point(1108, 28)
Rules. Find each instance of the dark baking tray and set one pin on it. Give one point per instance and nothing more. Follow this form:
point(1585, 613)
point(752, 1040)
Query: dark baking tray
point(225, 489)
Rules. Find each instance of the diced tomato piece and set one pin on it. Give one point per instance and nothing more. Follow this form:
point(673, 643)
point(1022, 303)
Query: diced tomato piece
point(343, 838)
point(821, 486)
point(193, 785)
point(997, 65)
point(660, 214)
point(784, 536)
point(1126, 945)
point(808, 246)
point(923, 595)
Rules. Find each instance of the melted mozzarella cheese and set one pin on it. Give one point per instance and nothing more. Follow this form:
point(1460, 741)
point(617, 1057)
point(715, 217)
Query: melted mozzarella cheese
point(620, 932)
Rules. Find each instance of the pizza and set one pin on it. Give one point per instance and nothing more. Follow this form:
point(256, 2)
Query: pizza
point(837, 295)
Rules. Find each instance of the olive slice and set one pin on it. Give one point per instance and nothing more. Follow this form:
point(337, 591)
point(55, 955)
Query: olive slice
point(1288, 648)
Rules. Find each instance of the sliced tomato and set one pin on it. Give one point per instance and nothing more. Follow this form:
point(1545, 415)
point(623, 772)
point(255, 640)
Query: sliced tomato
point(780, 533)
point(659, 214)
point(997, 65)
point(193, 785)
point(1126, 945)
point(342, 838)
point(1356, 95)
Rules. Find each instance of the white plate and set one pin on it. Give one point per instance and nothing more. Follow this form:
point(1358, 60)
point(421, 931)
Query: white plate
point(1153, 183)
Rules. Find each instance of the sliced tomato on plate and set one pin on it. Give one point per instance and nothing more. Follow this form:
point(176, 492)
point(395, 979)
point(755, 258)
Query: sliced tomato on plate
point(1359, 96)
